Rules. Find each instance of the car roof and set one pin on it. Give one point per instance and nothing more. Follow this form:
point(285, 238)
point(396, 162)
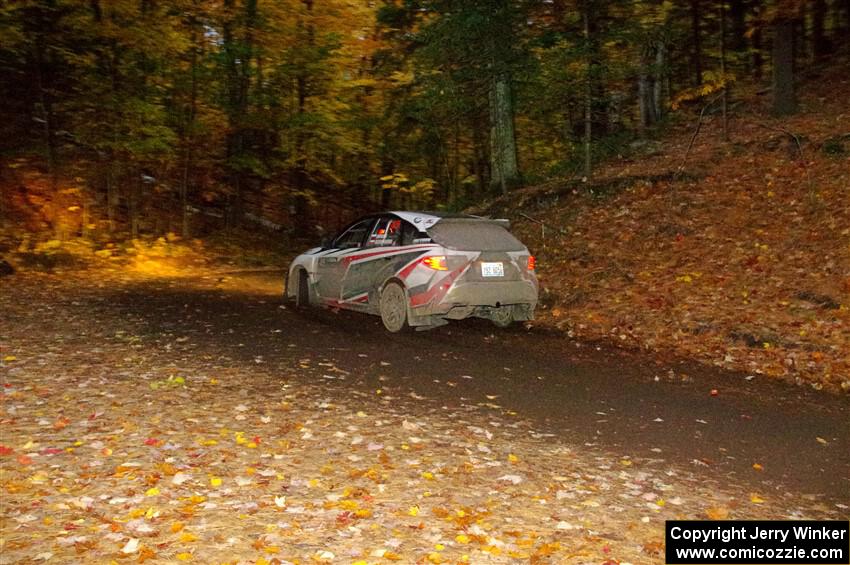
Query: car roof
point(425, 220)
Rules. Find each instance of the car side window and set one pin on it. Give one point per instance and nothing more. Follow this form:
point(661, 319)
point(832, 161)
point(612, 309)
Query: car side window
point(386, 233)
point(353, 236)
point(410, 235)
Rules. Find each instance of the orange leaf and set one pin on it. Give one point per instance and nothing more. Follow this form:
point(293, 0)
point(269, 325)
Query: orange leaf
point(717, 513)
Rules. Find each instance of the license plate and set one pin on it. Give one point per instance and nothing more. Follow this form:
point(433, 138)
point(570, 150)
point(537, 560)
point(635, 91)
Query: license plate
point(492, 269)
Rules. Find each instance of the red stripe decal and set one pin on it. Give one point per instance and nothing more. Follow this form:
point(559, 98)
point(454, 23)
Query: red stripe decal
point(438, 290)
point(350, 258)
point(402, 274)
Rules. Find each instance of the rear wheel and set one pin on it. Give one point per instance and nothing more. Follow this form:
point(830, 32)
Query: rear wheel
point(394, 307)
point(302, 291)
point(503, 316)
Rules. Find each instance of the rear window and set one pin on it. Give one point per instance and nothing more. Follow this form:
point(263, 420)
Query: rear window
point(474, 235)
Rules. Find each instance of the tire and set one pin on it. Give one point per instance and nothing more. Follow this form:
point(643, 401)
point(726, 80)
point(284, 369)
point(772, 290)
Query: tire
point(302, 291)
point(503, 317)
point(393, 307)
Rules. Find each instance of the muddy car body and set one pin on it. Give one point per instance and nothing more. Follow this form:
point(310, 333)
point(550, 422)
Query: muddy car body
point(419, 269)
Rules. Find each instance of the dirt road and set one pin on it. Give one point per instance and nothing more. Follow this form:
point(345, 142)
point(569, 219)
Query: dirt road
point(633, 405)
point(201, 419)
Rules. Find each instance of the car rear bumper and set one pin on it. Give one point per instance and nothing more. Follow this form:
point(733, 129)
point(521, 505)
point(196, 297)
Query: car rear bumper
point(478, 294)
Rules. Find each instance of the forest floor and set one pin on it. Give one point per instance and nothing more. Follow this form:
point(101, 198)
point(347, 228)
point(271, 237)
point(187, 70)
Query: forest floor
point(735, 253)
point(137, 428)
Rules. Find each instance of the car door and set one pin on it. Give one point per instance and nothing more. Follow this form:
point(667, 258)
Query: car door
point(331, 266)
point(365, 267)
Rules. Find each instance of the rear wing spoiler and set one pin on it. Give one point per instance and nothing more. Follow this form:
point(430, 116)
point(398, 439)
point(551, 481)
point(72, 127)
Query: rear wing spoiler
point(503, 222)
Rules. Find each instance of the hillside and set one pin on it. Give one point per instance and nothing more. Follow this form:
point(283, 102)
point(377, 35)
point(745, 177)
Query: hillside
point(738, 256)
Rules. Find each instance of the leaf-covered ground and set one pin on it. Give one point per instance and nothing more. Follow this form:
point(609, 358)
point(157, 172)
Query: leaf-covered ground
point(115, 450)
point(740, 261)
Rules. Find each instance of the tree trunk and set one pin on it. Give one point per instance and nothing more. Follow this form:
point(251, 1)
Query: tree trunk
point(646, 104)
point(301, 204)
point(757, 58)
point(479, 143)
point(847, 17)
point(820, 44)
point(784, 97)
point(738, 29)
point(660, 73)
point(46, 117)
point(111, 197)
point(133, 205)
point(696, 53)
point(190, 133)
point(238, 81)
point(504, 169)
point(588, 96)
point(725, 99)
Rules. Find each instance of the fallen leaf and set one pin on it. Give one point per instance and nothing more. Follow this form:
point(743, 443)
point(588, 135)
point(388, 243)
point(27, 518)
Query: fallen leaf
point(131, 546)
point(717, 513)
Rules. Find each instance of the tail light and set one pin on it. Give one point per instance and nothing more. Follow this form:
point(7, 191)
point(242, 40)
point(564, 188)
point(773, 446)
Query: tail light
point(531, 262)
point(436, 262)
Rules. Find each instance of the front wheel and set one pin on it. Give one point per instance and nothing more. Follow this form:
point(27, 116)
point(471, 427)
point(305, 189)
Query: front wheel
point(393, 307)
point(302, 291)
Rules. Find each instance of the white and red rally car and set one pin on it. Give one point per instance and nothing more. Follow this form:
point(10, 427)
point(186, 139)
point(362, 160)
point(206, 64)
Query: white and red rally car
point(419, 269)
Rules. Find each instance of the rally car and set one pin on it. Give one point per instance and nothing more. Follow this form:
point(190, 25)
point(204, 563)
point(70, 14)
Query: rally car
point(417, 269)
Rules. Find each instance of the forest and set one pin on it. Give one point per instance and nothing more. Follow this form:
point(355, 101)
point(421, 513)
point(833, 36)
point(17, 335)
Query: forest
point(678, 175)
point(147, 117)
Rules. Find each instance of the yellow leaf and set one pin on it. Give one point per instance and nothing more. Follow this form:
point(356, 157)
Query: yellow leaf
point(188, 537)
point(758, 467)
point(462, 538)
point(184, 556)
point(363, 513)
point(176, 527)
point(414, 511)
point(513, 458)
point(271, 549)
point(215, 481)
point(756, 499)
point(10, 358)
point(152, 492)
point(428, 475)
point(717, 513)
